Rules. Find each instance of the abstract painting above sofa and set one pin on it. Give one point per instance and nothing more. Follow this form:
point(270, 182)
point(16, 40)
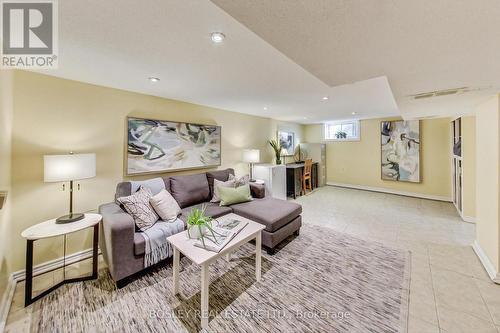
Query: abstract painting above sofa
point(155, 146)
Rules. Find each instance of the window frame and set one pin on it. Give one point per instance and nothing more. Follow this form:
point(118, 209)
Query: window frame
point(355, 122)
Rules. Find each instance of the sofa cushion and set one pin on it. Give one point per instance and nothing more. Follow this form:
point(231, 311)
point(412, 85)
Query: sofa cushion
point(273, 213)
point(155, 185)
point(124, 189)
point(140, 242)
point(222, 175)
point(213, 210)
point(271, 239)
point(190, 190)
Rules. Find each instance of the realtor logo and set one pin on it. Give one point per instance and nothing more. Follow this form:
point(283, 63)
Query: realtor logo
point(29, 34)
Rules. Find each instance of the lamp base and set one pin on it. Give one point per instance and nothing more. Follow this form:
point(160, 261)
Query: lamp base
point(70, 218)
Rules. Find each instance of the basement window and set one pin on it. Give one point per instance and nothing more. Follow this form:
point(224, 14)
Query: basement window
point(346, 130)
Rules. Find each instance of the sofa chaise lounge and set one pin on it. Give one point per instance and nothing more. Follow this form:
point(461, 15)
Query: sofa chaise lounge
point(123, 247)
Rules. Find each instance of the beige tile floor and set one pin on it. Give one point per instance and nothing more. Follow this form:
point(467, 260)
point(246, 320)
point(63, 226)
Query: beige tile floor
point(449, 292)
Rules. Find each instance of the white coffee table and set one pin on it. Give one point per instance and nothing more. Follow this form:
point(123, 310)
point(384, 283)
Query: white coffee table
point(182, 244)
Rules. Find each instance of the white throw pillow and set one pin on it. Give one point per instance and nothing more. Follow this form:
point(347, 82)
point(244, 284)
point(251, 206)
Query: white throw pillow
point(138, 206)
point(217, 183)
point(165, 205)
point(243, 180)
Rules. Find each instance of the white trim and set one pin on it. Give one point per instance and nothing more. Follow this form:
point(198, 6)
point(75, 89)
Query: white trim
point(37, 270)
point(343, 140)
point(54, 264)
point(460, 211)
point(6, 302)
point(468, 219)
point(357, 124)
point(488, 266)
point(386, 190)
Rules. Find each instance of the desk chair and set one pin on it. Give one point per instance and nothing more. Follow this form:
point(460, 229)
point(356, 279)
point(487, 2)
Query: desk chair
point(306, 176)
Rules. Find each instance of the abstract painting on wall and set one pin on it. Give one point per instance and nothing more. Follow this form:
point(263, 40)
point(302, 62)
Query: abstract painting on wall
point(287, 140)
point(155, 146)
point(401, 150)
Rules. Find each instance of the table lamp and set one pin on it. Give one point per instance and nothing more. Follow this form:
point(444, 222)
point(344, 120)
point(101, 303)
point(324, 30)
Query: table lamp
point(70, 167)
point(251, 156)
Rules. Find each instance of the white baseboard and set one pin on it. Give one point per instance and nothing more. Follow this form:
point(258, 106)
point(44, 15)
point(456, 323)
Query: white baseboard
point(469, 219)
point(54, 264)
point(488, 266)
point(386, 190)
point(37, 270)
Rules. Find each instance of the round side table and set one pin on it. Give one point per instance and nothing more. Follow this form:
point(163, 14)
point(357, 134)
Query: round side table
point(49, 229)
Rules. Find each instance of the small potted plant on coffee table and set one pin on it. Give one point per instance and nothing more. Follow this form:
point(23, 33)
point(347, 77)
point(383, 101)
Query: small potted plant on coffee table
point(198, 223)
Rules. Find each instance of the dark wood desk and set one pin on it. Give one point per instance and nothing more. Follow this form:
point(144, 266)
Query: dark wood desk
point(294, 173)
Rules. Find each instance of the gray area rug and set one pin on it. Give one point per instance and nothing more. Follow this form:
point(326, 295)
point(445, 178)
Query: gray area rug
point(320, 281)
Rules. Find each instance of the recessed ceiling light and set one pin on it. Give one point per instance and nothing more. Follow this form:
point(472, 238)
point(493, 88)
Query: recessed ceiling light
point(325, 98)
point(217, 37)
point(353, 113)
point(265, 108)
point(153, 79)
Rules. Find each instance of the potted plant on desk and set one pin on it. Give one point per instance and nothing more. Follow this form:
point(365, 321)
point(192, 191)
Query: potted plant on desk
point(277, 147)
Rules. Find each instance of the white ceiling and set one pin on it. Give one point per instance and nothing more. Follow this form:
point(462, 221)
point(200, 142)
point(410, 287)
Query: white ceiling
point(421, 46)
point(287, 55)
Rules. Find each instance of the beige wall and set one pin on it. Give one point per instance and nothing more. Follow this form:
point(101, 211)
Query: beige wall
point(5, 179)
point(55, 116)
point(358, 162)
point(487, 176)
point(469, 165)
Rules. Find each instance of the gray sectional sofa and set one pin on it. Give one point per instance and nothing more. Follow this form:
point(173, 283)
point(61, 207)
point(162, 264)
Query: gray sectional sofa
point(123, 247)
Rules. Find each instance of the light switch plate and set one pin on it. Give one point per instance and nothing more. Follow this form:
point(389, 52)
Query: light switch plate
point(3, 198)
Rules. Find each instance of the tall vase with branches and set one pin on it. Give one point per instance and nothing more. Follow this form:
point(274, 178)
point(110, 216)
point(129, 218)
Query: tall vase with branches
point(277, 147)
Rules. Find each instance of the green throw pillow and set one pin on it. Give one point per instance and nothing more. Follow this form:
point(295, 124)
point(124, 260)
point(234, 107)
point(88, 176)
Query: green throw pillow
point(233, 195)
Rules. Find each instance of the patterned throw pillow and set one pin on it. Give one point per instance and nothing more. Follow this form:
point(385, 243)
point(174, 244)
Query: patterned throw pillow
point(138, 206)
point(217, 183)
point(243, 180)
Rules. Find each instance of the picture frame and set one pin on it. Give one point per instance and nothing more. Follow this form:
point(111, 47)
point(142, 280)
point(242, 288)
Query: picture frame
point(400, 158)
point(287, 140)
point(154, 146)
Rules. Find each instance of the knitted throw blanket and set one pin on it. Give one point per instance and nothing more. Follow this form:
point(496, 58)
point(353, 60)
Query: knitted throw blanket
point(157, 246)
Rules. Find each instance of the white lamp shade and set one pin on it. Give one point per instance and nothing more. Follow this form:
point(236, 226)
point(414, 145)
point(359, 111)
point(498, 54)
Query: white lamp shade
point(251, 155)
point(62, 168)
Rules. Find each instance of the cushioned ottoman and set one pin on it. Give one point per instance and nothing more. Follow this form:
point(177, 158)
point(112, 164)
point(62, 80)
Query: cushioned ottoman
point(281, 218)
